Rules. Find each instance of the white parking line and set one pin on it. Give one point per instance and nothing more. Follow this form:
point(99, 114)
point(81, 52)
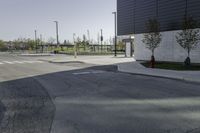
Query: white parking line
point(28, 62)
point(38, 61)
point(8, 62)
point(19, 62)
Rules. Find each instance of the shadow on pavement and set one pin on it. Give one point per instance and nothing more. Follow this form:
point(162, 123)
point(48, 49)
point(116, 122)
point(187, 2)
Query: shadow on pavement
point(98, 100)
point(28, 107)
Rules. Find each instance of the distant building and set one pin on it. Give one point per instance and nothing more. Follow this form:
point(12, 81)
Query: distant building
point(133, 14)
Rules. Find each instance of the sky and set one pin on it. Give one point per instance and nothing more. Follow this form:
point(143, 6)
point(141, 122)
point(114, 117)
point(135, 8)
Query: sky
point(19, 18)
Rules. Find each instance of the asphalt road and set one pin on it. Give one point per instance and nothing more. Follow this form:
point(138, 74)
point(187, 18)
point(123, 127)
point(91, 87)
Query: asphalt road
point(41, 97)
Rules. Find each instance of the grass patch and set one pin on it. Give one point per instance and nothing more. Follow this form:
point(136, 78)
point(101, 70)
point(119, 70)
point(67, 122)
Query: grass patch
point(173, 66)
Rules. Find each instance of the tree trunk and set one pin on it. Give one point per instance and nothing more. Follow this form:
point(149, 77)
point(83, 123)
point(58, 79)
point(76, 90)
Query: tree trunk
point(152, 52)
point(188, 52)
point(152, 62)
point(187, 61)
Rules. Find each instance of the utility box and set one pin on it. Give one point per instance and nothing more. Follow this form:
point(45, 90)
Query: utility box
point(128, 50)
point(128, 47)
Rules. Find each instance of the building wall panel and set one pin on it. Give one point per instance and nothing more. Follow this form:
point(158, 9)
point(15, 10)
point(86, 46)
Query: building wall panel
point(133, 14)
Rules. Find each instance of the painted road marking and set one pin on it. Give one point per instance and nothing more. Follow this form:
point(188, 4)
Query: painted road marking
point(8, 62)
point(19, 62)
point(88, 72)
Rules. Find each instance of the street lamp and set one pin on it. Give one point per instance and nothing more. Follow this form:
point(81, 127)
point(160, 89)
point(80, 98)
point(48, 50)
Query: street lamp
point(36, 40)
point(115, 15)
point(75, 46)
point(101, 40)
point(57, 36)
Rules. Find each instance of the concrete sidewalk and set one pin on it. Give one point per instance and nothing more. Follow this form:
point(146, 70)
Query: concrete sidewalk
point(96, 60)
point(137, 68)
point(38, 54)
point(128, 65)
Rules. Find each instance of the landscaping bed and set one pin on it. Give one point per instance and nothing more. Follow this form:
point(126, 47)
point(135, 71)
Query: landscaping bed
point(173, 66)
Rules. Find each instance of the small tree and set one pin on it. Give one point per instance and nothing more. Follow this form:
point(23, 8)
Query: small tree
point(30, 44)
point(120, 45)
point(152, 38)
point(3, 47)
point(17, 44)
point(189, 37)
point(85, 42)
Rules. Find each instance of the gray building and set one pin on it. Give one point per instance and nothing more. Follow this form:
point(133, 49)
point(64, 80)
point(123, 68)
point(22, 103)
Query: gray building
point(133, 14)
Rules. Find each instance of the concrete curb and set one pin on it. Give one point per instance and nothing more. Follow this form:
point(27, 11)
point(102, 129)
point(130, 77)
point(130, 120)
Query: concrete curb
point(36, 55)
point(135, 73)
point(63, 62)
point(161, 76)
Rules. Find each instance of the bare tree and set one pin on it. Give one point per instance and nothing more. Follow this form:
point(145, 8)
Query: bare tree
point(98, 38)
point(85, 42)
point(84, 38)
point(88, 34)
point(152, 38)
point(51, 40)
point(189, 37)
point(111, 40)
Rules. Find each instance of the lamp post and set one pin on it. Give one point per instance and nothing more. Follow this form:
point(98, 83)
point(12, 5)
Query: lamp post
point(101, 40)
point(75, 46)
point(57, 36)
point(115, 15)
point(41, 44)
point(35, 40)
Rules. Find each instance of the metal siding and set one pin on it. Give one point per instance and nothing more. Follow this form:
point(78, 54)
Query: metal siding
point(194, 9)
point(133, 14)
point(144, 10)
point(171, 14)
point(125, 16)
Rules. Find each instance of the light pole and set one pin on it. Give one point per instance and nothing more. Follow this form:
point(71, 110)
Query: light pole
point(101, 40)
point(75, 46)
point(35, 40)
point(115, 15)
point(57, 36)
point(88, 33)
point(41, 45)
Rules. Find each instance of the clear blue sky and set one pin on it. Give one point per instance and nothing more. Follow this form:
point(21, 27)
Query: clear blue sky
point(19, 18)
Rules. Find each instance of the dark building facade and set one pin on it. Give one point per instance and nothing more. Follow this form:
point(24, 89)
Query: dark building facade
point(133, 14)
